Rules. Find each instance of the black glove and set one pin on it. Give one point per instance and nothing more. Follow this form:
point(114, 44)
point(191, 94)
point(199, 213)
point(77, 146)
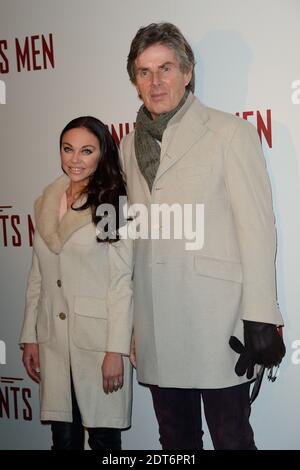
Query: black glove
point(263, 345)
point(245, 362)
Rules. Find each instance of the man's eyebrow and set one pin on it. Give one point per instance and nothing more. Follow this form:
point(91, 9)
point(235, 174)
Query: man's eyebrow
point(166, 63)
point(160, 66)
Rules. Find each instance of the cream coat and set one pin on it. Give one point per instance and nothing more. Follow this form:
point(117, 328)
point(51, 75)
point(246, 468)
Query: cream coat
point(79, 305)
point(189, 303)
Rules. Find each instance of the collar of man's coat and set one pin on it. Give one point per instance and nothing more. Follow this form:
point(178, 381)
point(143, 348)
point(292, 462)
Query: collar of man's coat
point(53, 231)
point(187, 127)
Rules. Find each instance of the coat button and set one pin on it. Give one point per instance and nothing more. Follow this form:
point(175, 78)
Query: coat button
point(59, 283)
point(62, 316)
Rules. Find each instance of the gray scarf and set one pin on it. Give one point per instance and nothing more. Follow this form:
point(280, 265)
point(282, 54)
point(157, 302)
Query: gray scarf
point(147, 132)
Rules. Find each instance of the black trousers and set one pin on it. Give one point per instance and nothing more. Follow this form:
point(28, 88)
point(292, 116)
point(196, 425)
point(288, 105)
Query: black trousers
point(70, 436)
point(227, 412)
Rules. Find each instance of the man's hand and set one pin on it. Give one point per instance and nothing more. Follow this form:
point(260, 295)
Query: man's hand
point(245, 363)
point(112, 372)
point(31, 361)
point(263, 345)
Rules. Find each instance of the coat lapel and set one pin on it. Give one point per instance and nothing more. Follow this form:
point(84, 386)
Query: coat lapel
point(54, 232)
point(141, 177)
point(190, 128)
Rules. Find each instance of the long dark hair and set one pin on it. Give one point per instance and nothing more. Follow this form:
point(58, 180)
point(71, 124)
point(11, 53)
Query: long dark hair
point(106, 184)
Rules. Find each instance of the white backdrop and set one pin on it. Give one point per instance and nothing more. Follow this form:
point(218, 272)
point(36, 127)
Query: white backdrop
point(247, 56)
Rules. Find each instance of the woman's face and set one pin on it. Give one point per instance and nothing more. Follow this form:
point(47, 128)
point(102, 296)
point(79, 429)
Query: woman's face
point(80, 154)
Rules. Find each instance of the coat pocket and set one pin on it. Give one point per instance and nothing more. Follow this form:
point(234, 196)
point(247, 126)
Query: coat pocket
point(42, 321)
point(90, 323)
point(193, 172)
point(218, 269)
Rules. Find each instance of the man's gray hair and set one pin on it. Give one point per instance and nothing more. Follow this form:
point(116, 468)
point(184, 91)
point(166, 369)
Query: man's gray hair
point(168, 35)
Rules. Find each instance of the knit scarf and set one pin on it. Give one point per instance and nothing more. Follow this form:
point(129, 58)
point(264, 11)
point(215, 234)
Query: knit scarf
point(147, 133)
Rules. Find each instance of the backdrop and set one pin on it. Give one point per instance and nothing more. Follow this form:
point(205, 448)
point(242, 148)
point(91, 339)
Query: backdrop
point(63, 58)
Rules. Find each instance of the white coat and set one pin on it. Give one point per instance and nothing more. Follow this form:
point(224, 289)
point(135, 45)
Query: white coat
point(79, 305)
point(189, 303)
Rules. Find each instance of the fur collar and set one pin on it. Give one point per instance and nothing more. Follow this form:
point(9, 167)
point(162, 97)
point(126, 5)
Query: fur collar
point(55, 233)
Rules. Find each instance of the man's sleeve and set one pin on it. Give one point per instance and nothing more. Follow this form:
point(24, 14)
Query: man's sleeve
point(250, 197)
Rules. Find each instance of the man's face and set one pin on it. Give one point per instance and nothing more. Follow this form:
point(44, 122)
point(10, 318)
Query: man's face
point(159, 79)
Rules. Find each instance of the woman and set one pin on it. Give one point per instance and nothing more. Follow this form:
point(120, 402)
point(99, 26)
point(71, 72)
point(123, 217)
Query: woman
point(78, 318)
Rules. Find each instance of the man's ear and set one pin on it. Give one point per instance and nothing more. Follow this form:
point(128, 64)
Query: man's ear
point(188, 76)
point(138, 92)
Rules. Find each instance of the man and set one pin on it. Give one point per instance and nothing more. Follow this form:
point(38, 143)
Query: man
point(190, 302)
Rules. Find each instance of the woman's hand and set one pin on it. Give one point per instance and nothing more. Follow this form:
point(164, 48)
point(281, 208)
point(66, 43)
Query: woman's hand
point(112, 372)
point(31, 361)
point(132, 356)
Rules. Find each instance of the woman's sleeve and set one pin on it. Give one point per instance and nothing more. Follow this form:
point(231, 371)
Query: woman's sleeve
point(120, 301)
point(28, 332)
